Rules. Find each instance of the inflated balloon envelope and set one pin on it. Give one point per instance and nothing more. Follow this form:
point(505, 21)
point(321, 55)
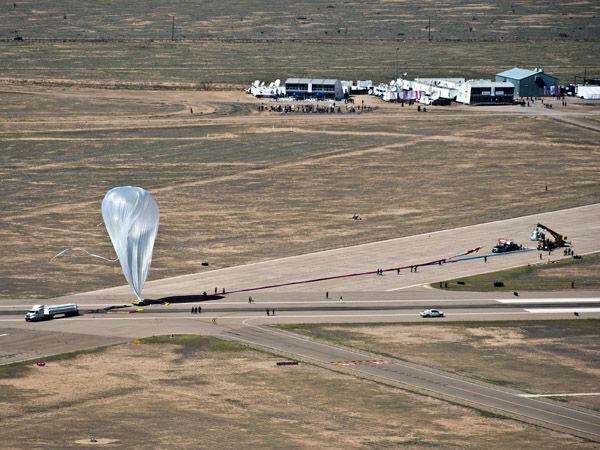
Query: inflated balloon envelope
point(131, 218)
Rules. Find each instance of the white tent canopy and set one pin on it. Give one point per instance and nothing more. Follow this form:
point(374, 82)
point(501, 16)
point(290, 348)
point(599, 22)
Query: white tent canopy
point(588, 92)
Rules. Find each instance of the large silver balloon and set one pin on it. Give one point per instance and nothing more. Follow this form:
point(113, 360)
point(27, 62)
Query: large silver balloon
point(131, 218)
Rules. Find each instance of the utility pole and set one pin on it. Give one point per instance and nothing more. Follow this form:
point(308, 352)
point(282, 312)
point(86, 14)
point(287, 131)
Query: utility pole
point(429, 28)
point(173, 29)
point(397, 63)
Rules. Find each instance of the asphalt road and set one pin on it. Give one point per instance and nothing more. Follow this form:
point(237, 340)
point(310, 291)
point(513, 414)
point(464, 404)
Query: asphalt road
point(246, 322)
point(248, 325)
point(425, 380)
point(359, 299)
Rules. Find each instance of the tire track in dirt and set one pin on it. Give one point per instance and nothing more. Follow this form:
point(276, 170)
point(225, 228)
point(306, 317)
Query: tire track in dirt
point(28, 214)
point(267, 119)
point(572, 121)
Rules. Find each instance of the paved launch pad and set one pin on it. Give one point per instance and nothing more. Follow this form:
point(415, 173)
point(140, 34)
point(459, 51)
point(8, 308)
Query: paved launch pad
point(581, 225)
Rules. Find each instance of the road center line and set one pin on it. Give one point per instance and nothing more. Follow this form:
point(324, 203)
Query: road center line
point(548, 300)
point(575, 394)
point(407, 287)
point(281, 316)
point(562, 310)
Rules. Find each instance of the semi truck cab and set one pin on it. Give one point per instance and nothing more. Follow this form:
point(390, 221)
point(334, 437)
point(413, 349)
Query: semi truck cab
point(35, 313)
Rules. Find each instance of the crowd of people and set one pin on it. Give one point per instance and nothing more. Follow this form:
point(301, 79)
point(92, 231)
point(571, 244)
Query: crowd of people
point(332, 108)
point(530, 101)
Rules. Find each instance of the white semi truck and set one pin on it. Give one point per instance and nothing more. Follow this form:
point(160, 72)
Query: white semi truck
point(43, 312)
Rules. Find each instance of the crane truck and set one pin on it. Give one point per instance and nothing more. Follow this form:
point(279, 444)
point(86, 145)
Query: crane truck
point(46, 312)
point(555, 240)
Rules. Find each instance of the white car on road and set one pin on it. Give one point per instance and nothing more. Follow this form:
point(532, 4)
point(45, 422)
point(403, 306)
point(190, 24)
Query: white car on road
point(431, 313)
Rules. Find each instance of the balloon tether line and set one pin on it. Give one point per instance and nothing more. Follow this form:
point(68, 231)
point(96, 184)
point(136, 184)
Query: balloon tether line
point(82, 250)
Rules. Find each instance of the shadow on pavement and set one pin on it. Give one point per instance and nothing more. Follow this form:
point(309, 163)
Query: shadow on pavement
point(187, 298)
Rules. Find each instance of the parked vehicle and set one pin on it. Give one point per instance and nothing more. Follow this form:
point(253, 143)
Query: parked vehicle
point(506, 246)
point(47, 312)
point(431, 313)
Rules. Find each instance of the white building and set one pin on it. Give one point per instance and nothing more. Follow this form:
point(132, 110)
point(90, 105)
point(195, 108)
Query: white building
point(361, 87)
point(346, 87)
point(486, 92)
point(319, 88)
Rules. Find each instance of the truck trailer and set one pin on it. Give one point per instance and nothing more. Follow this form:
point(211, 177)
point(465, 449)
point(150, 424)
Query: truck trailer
point(47, 312)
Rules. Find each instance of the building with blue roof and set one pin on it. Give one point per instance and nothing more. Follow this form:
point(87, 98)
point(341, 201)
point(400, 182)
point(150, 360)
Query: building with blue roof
point(530, 83)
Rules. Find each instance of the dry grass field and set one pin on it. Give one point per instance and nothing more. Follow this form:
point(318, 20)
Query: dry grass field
point(536, 357)
point(199, 391)
point(234, 42)
point(235, 186)
point(207, 64)
point(302, 19)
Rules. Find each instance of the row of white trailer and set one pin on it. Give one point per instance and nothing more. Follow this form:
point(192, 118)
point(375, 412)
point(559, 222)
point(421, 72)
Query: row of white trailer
point(431, 91)
point(426, 91)
point(304, 88)
point(272, 90)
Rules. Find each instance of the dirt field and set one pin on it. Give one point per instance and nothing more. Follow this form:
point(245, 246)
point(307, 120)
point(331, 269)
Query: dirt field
point(551, 357)
point(22, 344)
point(303, 19)
point(179, 392)
point(547, 276)
point(236, 186)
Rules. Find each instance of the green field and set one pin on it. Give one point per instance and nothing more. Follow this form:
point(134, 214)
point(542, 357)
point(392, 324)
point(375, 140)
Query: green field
point(554, 276)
